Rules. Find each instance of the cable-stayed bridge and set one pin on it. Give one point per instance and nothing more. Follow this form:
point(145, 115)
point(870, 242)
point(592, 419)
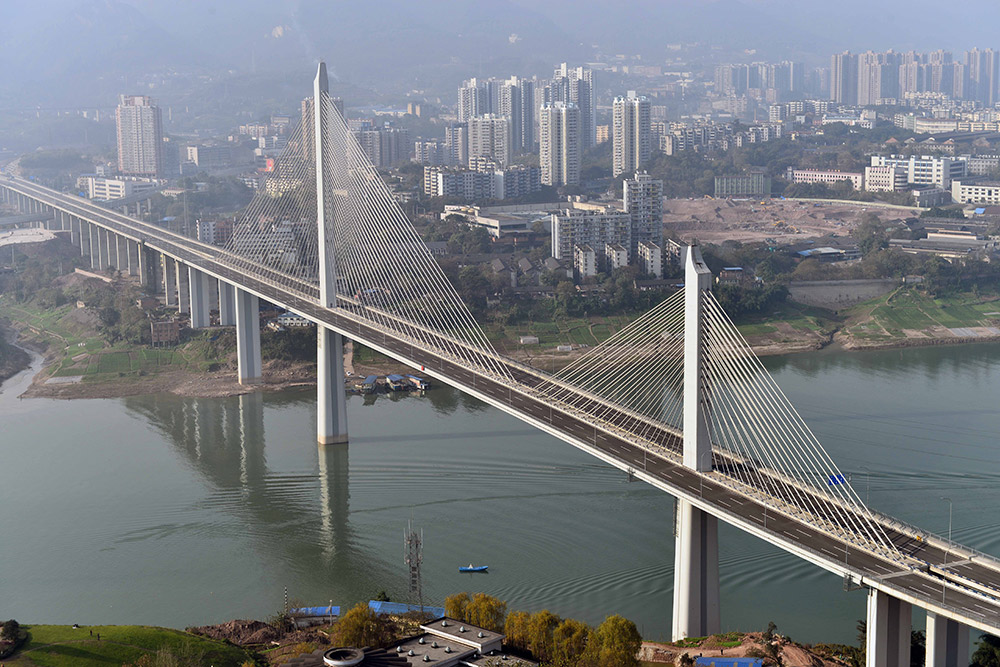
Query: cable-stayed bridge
point(677, 398)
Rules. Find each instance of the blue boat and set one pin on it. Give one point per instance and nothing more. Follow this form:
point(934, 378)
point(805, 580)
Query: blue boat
point(474, 568)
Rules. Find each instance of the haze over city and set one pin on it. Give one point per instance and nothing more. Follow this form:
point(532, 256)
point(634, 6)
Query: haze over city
point(576, 334)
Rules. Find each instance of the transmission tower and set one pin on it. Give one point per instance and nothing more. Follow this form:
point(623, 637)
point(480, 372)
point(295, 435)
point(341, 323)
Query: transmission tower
point(413, 555)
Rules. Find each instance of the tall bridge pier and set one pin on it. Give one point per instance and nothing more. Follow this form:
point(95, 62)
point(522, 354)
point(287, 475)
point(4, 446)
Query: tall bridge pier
point(696, 611)
point(331, 403)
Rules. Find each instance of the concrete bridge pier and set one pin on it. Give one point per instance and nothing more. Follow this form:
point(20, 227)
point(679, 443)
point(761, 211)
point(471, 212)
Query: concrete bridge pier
point(248, 337)
point(696, 610)
point(95, 247)
point(169, 280)
point(198, 285)
point(183, 297)
point(121, 254)
point(890, 623)
point(947, 642)
point(227, 304)
point(331, 408)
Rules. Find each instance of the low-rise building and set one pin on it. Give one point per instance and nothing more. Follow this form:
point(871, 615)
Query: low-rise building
point(885, 179)
point(106, 188)
point(615, 256)
point(754, 184)
point(973, 192)
point(829, 176)
point(650, 259)
point(584, 261)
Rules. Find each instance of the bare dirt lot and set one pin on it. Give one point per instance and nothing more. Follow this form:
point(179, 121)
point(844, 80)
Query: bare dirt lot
point(785, 222)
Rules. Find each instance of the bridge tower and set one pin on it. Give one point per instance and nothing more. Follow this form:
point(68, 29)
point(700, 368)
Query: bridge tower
point(331, 408)
point(696, 549)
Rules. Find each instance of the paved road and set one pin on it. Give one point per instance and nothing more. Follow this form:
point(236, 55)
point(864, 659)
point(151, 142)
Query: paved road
point(654, 455)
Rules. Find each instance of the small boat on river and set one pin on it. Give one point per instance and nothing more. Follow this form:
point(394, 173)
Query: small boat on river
point(474, 568)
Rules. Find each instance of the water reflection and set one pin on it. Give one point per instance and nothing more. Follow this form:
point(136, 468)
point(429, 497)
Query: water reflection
point(301, 517)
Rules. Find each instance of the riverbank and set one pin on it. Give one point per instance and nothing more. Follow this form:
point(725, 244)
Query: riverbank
point(87, 646)
point(13, 358)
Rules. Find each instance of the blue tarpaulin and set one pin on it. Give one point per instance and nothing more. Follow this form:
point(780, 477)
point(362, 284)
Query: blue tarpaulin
point(729, 662)
point(316, 611)
point(836, 479)
point(403, 608)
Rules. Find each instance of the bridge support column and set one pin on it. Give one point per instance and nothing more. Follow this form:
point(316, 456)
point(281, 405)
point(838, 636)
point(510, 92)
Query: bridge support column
point(121, 254)
point(198, 284)
point(169, 280)
point(227, 304)
point(248, 337)
point(146, 268)
point(95, 247)
point(889, 627)
point(696, 555)
point(183, 300)
point(696, 573)
point(131, 250)
point(331, 408)
point(947, 642)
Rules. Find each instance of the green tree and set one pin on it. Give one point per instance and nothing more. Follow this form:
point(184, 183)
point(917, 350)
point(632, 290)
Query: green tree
point(486, 611)
point(987, 652)
point(10, 630)
point(455, 605)
point(540, 634)
point(361, 627)
point(569, 641)
point(517, 629)
point(615, 642)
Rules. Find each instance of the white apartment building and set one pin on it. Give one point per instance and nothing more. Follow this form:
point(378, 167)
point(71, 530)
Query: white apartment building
point(825, 176)
point(975, 193)
point(615, 256)
point(490, 136)
point(631, 134)
point(560, 147)
point(584, 261)
point(643, 201)
point(101, 187)
point(650, 259)
point(595, 228)
point(885, 179)
point(140, 136)
point(925, 169)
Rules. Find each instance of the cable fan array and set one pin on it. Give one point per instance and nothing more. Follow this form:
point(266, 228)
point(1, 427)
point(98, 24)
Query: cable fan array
point(634, 381)
point(764, 442)
point(384, 272)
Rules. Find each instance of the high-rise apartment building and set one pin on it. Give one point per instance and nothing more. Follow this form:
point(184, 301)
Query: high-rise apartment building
point(517, 102)
point(844, 78)
point(513, 97)
point(982, 72)
point(878, 77)
point(456, 142)
point(490, 136)
point(140, 136)
point(632, 137)
point(560, 143)
point(643, 201)
point(576, 85)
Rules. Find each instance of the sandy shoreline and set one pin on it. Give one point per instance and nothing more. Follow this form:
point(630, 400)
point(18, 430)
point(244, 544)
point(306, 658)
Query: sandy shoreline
point(283, 375)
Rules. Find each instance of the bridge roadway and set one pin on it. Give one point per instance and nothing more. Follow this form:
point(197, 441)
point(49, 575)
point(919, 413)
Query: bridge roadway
point(712, 492)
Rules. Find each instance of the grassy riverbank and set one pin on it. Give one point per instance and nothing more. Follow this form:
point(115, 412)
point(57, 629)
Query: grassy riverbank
point(64, 645)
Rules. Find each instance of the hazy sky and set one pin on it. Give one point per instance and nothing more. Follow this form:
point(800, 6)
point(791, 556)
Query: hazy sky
point(59, 48)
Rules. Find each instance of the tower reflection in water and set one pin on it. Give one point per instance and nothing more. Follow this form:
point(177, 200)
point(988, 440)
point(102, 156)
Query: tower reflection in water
point(294, 505)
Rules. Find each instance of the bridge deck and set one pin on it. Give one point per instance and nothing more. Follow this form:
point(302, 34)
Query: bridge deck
point(656, 461)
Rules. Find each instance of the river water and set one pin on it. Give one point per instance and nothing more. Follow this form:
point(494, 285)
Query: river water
point(178, 512)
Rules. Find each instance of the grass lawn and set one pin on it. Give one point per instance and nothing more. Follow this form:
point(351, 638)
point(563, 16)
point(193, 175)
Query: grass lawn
point(909, 309)
point(62, 645)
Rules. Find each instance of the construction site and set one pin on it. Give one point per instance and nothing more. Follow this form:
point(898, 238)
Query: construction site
point(781, 221)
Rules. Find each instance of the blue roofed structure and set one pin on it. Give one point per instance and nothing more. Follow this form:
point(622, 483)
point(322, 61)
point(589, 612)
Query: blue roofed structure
point(398, 608)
